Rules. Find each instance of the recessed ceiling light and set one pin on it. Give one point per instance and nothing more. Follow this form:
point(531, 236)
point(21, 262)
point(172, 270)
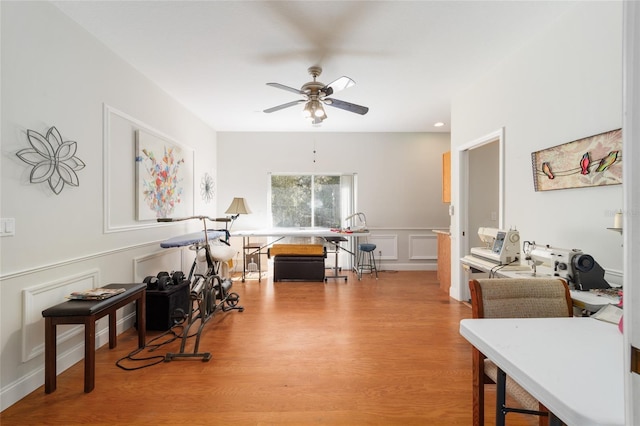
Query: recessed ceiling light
point(438, 124)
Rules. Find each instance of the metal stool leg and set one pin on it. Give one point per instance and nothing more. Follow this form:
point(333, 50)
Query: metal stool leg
point(373, 262)
point(370, 266)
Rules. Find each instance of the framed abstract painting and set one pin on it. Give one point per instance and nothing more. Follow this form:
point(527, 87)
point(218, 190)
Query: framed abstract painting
point(164, 175)
point(591, 161)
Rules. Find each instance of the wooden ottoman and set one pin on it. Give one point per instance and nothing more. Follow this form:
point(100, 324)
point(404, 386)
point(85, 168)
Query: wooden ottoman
point(298, 262)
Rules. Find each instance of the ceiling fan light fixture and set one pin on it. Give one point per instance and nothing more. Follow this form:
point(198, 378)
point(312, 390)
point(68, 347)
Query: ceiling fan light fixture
point(307, 111)
point(318, 110)
point(315, 94)
point(314, 111)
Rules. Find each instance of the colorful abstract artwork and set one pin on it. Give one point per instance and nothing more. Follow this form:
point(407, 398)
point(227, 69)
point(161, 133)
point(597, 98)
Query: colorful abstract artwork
point(164, 174)
point(592, 161)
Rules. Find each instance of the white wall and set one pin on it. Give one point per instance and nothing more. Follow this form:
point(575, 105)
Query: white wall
point(399, 181)
point(55, 74)
point(565, 85)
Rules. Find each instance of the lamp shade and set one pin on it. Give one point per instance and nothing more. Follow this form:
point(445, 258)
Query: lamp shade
point(238, 206)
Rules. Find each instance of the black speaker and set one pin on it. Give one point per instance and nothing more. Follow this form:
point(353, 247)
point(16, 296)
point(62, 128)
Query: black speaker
point(163, 306)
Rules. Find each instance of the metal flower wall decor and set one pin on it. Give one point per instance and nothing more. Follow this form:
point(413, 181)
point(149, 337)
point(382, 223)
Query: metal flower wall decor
point(53, 159)
point(207, 188)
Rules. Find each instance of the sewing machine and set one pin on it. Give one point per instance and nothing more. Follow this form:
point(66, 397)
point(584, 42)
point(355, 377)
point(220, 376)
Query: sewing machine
point(501, 247)
point(580, 270)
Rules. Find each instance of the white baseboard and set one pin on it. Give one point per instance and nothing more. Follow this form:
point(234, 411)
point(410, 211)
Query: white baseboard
point(382, 266)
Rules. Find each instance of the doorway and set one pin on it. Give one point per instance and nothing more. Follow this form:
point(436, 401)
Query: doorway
point(481, 202)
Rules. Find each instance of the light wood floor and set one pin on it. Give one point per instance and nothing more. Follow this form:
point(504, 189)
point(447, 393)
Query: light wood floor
point(370, 352)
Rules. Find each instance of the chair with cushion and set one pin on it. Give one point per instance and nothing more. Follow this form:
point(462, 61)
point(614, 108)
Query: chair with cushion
point(513, 298)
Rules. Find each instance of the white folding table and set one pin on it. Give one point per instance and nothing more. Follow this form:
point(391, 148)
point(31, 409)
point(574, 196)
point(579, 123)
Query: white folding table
point(574, 366)
point(279, 233)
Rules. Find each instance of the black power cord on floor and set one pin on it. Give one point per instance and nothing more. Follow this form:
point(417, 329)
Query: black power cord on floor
point(151, 346)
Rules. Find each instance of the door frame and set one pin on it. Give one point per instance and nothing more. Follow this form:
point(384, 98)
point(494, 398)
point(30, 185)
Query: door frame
point(460, 234)
point(631, 220)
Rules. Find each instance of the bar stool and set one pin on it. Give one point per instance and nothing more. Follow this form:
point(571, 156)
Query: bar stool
point(366, 260)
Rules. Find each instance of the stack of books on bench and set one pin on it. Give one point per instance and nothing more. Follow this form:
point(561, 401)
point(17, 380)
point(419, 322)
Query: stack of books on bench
point(95, 294)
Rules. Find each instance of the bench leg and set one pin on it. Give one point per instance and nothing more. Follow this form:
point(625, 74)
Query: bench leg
point(113, 335)
point(141, 319)
point(90, 353)
point(49, 355)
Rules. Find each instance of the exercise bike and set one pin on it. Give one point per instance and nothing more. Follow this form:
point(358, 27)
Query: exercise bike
point(209, 293)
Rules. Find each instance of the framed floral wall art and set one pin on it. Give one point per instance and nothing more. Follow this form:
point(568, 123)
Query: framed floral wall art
point(164, 175)
point(591, 161)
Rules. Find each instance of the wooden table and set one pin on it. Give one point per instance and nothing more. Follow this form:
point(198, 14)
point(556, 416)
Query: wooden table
point(87, 312)
point(573, 366)
point(444, 259)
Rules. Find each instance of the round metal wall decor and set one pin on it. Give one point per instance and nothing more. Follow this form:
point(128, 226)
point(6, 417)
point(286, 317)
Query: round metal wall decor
point(207, 187)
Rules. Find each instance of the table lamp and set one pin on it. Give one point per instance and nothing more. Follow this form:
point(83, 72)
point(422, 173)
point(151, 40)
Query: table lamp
point(238, 206)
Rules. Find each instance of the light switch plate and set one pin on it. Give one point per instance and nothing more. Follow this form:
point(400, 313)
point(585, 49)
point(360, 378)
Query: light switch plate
point(7, 227)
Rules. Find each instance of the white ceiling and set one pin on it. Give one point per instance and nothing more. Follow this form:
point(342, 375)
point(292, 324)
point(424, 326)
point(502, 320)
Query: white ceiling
point(408, 58)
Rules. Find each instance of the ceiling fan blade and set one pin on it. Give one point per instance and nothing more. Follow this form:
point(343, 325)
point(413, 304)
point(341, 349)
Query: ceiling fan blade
point(283, 106)
point(347, 106)
point(341, 83)
point(287, 88)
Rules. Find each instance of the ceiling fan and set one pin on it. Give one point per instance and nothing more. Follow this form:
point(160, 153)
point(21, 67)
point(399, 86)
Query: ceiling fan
point(315, 94)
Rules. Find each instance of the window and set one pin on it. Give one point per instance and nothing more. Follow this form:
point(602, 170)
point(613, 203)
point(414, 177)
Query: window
point(306, 200)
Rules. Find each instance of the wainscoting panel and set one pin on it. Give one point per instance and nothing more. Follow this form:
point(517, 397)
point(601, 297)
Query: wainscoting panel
point(423, 247)
point(38, 298)
point(387, 244)
point(166, 260)
point(119, 171)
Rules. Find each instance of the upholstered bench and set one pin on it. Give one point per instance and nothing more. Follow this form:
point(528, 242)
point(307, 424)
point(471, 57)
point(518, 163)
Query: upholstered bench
point(298, 262)
point(87, 312)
